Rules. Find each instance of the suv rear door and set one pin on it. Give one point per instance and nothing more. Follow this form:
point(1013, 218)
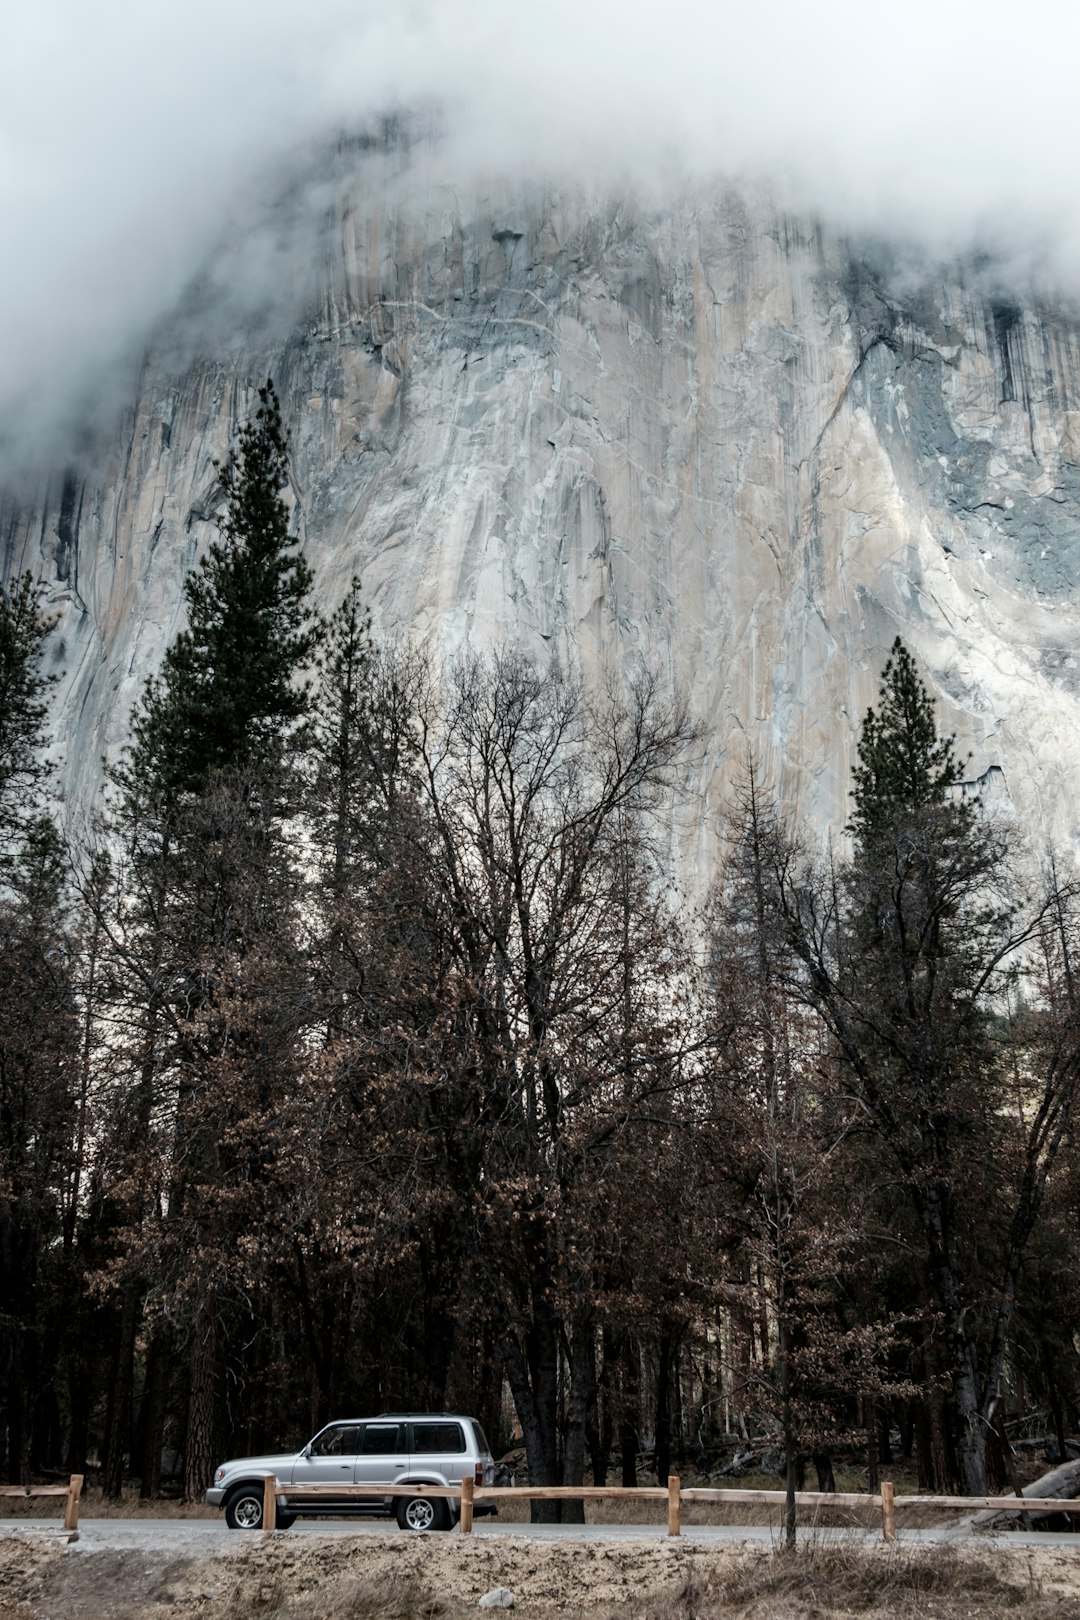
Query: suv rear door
point(383, 1457)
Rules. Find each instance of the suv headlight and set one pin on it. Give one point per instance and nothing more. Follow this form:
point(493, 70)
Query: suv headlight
point(219, 1476)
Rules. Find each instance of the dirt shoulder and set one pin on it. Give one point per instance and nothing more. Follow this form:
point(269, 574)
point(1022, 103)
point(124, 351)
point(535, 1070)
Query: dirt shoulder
point(424, 1578)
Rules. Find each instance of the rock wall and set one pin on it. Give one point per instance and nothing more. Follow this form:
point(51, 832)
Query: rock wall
point(694, 431)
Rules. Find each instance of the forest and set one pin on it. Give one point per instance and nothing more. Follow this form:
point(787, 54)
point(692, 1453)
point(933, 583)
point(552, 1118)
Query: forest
point(367, 1057)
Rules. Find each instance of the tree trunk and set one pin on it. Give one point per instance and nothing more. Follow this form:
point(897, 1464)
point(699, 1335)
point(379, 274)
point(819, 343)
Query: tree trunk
point(490, 1401)
point(870, 1421)
point(582, 1374)
point(629, 1410)
point(600, 1433)
point(907, 1428)
point(663, 1406)
point(935, 1210)
point(533, 1378)
point(201, 1445)
point(787, 1418)
point(81, 1392)
point(152, 1413)
point(763, 1317)
point(118, 1428)
point(742, 1358)
point(1053, 1396)
point(971, 1439)
point(440, 1269)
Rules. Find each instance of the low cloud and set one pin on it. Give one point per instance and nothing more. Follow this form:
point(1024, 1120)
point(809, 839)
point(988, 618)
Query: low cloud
point(137, 140)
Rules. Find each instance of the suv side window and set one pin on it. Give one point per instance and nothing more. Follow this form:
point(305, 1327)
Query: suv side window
point(430, 1438)
point(341, 1441)
point(381, 1439)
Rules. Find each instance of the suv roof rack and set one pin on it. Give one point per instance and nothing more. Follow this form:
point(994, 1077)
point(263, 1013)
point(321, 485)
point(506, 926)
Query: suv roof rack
point(454, 1415)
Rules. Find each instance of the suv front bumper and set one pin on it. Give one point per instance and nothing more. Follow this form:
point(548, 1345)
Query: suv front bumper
point(215, 1496)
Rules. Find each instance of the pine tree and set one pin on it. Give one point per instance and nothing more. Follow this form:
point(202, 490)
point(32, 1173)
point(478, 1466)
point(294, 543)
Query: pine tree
point(345, 753)
point(37, 1073)
point(926, 927)
point(213, 882)
point(903, 764)
point(910, 955)
point(228, 693)
point(36, 1035)
point(361, 761)
point(23, 686)
point(774, 1135)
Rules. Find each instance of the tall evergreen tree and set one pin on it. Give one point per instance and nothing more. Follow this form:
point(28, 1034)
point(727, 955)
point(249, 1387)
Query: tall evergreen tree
point(214, 886)
point(36, 1038)
point(907, 956)
point(23, 686)
point(228, 692)
point(903, 764)
point(37, 1073)
point(355, 755)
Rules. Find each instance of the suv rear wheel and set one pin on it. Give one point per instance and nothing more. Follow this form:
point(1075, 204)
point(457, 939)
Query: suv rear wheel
point(423, 1513)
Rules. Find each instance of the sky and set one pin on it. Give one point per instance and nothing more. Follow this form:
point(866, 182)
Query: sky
point(137, 137)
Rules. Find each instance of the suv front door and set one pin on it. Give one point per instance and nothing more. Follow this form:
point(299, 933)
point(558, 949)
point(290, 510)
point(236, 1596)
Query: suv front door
point(330, 1458)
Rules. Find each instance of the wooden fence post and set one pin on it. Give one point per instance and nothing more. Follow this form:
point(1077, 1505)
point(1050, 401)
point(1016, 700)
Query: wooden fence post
point(71, 1502)
point(269, 1504)
point(467, 1490)
point(674, 1525)
point(888, 1510)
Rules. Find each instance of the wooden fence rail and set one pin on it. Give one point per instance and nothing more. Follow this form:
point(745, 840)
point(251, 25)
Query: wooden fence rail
point(72, 1493)
point(885, 1501)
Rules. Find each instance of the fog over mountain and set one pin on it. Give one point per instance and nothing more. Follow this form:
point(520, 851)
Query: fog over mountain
point(142, 147)
point(736, 341)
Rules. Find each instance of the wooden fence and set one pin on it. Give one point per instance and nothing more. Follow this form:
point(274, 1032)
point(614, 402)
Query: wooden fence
point(885, 1501)
point(72, 1492)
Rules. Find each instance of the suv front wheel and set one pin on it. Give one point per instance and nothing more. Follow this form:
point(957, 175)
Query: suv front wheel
point(244, 1508)
point(423, 1513)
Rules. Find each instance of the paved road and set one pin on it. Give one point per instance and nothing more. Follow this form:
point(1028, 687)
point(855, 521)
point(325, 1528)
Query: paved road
point(203, 1537)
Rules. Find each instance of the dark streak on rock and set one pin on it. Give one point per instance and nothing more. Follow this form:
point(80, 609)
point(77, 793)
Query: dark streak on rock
point(1005, 318)
point(67, 527)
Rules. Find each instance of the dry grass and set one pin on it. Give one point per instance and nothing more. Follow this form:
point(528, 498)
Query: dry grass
point(94, 1505)
point(827, 1581)
point(354, 1598)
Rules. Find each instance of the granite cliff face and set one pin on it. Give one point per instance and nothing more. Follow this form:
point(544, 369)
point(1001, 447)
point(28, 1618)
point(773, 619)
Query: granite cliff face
point(700, 432)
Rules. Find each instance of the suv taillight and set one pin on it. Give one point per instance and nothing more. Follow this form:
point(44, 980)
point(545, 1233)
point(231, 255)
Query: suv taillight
point(478, 1474)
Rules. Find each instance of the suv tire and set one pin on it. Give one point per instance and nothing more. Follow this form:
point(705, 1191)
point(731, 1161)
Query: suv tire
point(421, 1513)
point(244, 1508)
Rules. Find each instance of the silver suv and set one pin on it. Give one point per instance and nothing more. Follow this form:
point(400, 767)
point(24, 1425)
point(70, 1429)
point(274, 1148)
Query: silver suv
point(402, 1448)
